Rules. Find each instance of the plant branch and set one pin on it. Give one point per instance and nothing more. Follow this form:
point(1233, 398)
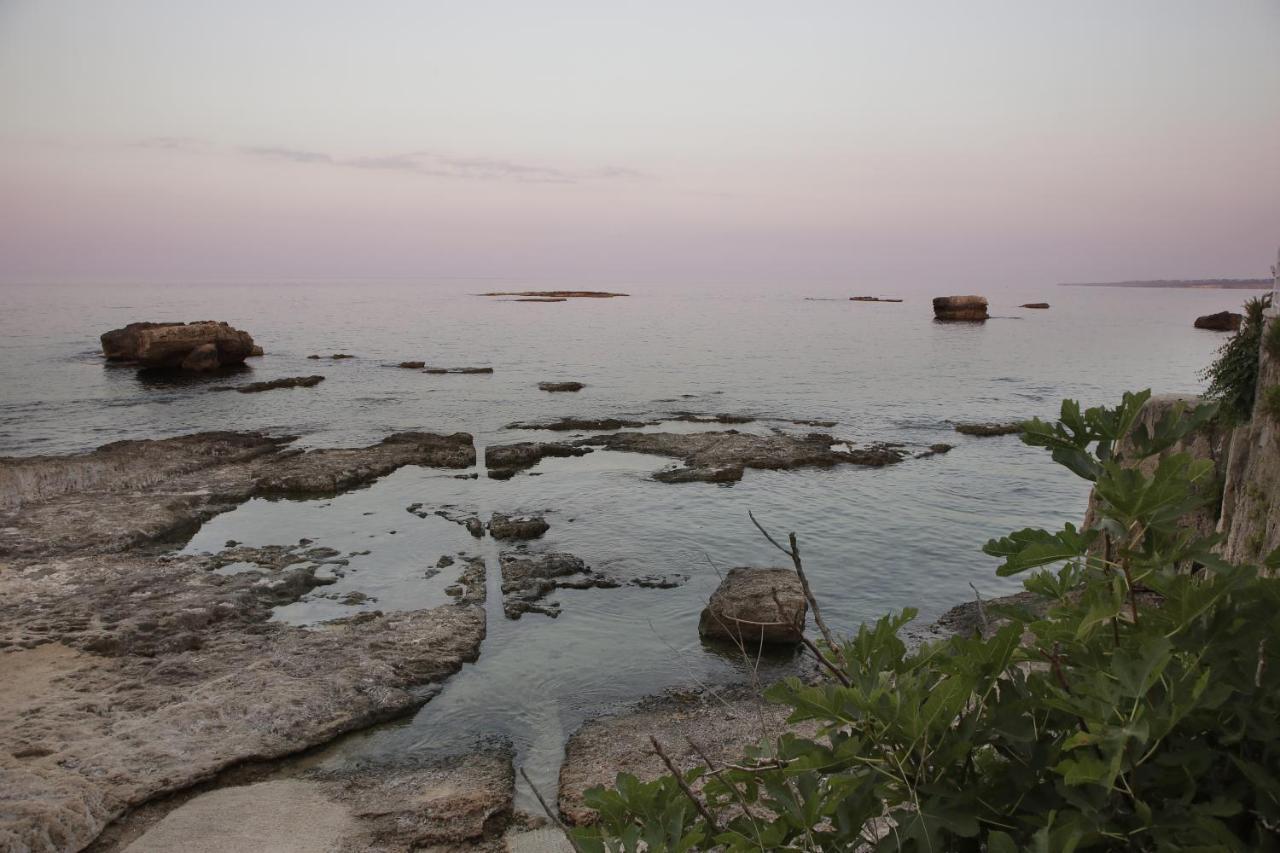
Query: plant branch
point(550, 813)
point(794, 553)
point(684, 786)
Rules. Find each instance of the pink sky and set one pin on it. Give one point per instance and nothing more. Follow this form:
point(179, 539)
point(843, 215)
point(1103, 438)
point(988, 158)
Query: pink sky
point(970, 142)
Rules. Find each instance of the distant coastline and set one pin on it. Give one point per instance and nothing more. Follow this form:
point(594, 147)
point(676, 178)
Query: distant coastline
point(1197, 283)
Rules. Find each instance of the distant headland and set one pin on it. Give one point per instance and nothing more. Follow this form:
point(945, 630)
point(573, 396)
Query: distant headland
point(1198, 283)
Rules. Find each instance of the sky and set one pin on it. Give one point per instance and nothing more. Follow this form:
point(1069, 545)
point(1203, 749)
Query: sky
point(882, 143)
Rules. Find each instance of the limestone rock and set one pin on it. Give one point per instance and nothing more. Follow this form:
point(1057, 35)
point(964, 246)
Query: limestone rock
point(745, 607)
point(960, 308)
point(517, 526)
point(204, 345)
point(506, 460)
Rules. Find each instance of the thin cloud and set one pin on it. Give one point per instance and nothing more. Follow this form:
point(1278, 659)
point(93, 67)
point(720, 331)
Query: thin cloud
point(172, 143)
point(422, 163)
point(293, 155)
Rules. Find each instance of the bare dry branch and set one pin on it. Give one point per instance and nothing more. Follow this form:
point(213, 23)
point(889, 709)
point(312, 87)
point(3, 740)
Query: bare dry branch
point(555, 818)
point(684, 786)
point(794, 553)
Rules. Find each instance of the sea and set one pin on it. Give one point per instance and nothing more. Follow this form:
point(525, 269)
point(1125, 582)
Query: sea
point(873, 540)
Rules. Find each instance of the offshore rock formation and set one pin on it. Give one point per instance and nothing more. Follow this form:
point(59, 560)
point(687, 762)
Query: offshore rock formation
point(201, 346)
point(722, 457)
point(529, 578)
point(1223, 321)
point(560, 387)
point(506, 460)
point(969, 308)
point(272, 384)
point(753, 606)
point(989, 429)
point(507, 527)
point(1039, 305)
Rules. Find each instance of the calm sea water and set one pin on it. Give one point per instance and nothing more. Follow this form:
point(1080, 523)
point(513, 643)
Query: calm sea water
point(873, 539)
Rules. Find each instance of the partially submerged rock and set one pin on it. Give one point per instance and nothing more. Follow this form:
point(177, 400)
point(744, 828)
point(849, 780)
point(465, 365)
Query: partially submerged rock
point(722, 457)
point(200, 346)
point(989, 429)
point(465, 370)
point(528, 578)
point(412, 365)
point(872, 299)
point(470, 586)
point(1039, 305)
point(557, 294)
point(1223, 321)
point(507, 527)
point(272, 384)
point(556, 387)
point(573, 424)
point(468, 520)
point(506, 460)
point(753, 606)
point(960, 308)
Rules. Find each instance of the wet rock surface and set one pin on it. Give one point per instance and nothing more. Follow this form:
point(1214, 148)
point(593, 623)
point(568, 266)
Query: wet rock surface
point(756, 605)
point(467, 519)
point(201, 346)
point(507, 527)
point(722, 457)
point(130, 494)
point(574, 424)
point(983, 430)
point(412, 365)
point(560, 387)
point(470, 586)
point(872, 299)
point(950, 308)
point(1037, 305)
point(506, 460)
point(457, 370)
point(528, 578)
point(272, 384)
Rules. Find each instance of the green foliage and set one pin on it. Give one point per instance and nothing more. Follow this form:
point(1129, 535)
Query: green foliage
point(1133, 709)
point(1271, 402)
point(1233, 376)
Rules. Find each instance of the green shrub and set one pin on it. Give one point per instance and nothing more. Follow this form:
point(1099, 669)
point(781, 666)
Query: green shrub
point(1143, 712)
point(1233, 375)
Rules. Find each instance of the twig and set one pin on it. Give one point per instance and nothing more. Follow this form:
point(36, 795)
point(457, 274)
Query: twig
point(809, 644)
point(794, 553)
point(551, 814)
point(711, 768)
point(982, 613)
point(684, 786)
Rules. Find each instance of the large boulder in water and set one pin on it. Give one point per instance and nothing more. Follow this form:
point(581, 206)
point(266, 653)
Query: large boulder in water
point(1223, 321)
point(204, 345)
point(754, 606)
point(960, 308)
